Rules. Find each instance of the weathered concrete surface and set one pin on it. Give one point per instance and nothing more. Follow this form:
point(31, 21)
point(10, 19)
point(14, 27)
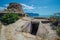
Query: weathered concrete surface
point(42, 31)
point(20, 30)
point(46, 32)
point(52, 33)
point(14, 32)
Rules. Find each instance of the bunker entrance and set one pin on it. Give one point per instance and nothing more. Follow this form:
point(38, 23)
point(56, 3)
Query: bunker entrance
point(34, 27)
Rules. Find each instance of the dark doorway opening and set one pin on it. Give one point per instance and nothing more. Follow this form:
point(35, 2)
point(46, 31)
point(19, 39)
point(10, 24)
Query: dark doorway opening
point(34, 27)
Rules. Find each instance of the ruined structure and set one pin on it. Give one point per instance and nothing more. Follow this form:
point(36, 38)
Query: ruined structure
point(28, 29)
point(13, 8)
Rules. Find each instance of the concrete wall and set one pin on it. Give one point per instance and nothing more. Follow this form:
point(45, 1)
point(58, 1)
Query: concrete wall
point(27, 27)
point(8, 32)
point(42, 32)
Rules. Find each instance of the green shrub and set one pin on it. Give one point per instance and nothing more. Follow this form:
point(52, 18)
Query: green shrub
point(58, 31)
point(9, 18)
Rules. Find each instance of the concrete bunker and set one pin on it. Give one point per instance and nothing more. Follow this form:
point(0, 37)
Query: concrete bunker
point(34, 28)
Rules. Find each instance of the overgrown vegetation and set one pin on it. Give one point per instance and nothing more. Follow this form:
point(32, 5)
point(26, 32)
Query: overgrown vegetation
point(58, 30)
point(9, 18)
point(55, 19)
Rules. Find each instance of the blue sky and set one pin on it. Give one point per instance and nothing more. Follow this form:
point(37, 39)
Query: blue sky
point(42, 7)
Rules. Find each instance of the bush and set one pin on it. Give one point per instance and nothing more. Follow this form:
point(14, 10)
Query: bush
point(58, 31)
point(9, 18)
point(55, 23)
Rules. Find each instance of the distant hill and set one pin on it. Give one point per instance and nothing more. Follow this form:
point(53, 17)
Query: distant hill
point(37, 15)
point(32, 14)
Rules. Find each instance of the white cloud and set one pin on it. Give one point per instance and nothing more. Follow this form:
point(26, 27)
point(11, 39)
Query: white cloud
point(2, 8)
point(27, 7)
point(6, 5)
